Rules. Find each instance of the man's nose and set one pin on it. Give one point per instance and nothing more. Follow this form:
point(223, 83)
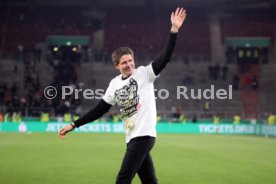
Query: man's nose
point(128, 64)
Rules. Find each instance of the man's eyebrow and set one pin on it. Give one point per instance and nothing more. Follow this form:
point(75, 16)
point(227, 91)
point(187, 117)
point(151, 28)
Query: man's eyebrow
point(123, 62)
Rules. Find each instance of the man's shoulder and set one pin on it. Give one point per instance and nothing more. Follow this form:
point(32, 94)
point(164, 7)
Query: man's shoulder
point(142, 68)
point(116, 78)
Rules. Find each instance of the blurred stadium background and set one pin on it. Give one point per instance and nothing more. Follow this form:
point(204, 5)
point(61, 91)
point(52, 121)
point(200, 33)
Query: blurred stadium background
point(62, 43)
point(69, 43)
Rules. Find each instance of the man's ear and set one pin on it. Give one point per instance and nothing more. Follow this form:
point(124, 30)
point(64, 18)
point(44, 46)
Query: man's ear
point(116, 66)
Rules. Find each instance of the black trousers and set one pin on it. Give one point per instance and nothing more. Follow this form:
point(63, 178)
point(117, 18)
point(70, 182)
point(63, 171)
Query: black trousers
point(137, 159)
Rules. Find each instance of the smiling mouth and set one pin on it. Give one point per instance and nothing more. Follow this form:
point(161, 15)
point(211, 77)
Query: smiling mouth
point(127, 69)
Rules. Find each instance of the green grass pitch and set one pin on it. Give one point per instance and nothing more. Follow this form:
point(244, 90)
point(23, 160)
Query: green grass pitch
point(81, 158)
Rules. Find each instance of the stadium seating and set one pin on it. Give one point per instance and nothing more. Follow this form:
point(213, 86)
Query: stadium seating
point(248, 23)
point(146, 32)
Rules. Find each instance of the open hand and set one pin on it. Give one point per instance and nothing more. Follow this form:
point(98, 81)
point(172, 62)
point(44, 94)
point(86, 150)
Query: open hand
point(177, 18)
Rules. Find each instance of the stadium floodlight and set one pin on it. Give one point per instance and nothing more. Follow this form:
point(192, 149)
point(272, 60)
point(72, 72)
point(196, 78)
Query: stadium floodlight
point(55, 49)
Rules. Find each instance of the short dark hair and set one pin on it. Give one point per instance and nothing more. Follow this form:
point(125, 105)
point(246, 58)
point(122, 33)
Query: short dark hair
point(118, 53)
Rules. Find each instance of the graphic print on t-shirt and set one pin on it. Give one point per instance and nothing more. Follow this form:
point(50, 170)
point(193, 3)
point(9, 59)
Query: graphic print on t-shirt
point(127, 98)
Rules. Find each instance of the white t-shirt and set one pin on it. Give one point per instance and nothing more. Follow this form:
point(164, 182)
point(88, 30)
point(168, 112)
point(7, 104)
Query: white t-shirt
point(136, 99)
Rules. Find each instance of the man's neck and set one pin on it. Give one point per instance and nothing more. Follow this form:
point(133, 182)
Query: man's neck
point(124, 77)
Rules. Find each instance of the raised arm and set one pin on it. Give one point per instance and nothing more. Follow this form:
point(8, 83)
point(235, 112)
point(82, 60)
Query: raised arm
point(98, 111)
point(177, 19)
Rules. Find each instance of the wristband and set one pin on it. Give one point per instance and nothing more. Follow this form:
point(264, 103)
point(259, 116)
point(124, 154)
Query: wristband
point(73, 125)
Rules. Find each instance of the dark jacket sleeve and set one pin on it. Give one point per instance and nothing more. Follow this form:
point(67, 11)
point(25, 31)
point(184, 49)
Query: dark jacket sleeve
point(98, 111)
point(161, 61)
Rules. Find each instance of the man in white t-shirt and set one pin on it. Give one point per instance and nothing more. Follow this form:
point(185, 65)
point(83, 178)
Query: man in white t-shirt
point(133, 92)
